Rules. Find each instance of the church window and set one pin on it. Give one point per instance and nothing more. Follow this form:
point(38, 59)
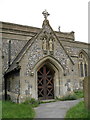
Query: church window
point(83, 64)
point(85, 68)
point(80, 55)
point(81, 68)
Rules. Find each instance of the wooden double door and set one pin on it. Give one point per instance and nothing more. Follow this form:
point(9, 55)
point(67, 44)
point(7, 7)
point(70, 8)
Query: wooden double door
point(45, 83)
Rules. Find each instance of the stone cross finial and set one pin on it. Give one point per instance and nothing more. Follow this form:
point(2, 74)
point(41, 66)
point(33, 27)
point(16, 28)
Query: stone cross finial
point(45, 14)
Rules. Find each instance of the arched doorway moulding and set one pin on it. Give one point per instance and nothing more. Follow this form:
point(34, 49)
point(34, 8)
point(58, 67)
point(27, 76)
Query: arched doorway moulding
point(58, 78)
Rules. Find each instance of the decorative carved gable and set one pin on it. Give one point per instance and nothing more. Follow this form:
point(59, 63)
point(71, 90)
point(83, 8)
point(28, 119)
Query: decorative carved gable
point(45, 43)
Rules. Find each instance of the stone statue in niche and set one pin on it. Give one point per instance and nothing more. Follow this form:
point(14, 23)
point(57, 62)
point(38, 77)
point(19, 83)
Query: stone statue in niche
point(44, 44)
point(50, 45)
point(47, 44)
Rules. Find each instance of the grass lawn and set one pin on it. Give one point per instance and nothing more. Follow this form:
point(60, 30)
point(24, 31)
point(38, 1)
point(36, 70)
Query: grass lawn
point(25, 110)
point(13, 110)
point(78, 111)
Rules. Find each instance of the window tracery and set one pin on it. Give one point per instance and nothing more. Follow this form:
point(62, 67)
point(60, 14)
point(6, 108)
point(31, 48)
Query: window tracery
point(83, 65)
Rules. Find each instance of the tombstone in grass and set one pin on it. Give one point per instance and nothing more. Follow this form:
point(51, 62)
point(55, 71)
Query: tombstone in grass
point(86, 86)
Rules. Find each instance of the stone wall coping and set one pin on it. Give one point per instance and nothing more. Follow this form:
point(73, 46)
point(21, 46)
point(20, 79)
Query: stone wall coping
point(77, 42)
point(28, 29)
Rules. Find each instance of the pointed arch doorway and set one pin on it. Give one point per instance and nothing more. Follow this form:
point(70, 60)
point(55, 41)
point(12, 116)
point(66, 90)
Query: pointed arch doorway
point(45, 82)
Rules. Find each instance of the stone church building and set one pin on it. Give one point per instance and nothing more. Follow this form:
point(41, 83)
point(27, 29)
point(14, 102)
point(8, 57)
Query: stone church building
point(41, 63)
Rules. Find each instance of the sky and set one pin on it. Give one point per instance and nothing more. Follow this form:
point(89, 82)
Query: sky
point(70, 15)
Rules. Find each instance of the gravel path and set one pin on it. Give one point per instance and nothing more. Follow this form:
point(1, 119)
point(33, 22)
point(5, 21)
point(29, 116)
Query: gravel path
point(55, 109)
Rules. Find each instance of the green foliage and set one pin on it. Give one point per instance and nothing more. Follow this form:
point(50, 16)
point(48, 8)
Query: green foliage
point(69, 97)
point(73, 96)
point(79, 93)
point(32, 102)
point(13, 110)
point(78, 111)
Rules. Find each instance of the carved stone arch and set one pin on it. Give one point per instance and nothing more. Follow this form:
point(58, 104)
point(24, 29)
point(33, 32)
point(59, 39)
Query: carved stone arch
point(58, 74)
point(53, 61)
point(44, 36)
point(84, 53)
point(51, 37)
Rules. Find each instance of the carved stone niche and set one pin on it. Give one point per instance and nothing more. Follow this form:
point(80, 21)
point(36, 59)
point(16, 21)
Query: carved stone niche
point(51, 45)
point(44, 44)
point(47, 43)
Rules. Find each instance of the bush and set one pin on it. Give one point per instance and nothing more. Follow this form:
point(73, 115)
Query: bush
point(79, 93)
point(69, 97)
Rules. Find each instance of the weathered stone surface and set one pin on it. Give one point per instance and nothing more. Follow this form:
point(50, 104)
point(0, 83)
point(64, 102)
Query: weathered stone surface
point(16, 46)
point(86, 85)
point(13, 86)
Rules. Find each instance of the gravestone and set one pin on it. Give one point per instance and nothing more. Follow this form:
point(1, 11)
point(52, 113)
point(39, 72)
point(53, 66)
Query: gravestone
point(86, 86)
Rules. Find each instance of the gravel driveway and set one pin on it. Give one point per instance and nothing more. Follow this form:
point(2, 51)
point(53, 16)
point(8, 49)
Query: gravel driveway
point(55, 109)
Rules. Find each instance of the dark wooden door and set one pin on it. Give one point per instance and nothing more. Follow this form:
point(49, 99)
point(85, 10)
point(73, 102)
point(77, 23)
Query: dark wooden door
point(45, 83)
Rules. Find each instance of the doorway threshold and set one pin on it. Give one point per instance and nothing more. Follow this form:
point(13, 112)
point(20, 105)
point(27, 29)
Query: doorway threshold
point(49, 100)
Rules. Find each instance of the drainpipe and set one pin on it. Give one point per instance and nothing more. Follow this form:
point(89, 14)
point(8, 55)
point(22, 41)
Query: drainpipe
point(9, 53)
